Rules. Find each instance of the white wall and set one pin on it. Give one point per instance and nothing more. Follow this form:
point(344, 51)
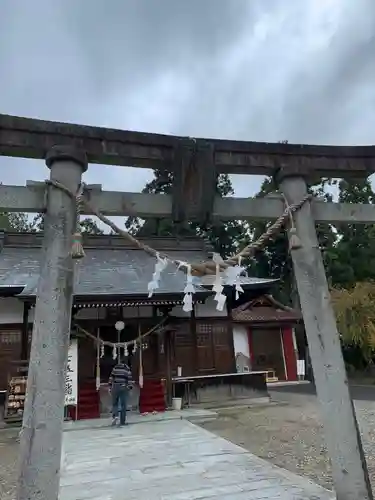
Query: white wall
point(206, 310)
point(241, 340)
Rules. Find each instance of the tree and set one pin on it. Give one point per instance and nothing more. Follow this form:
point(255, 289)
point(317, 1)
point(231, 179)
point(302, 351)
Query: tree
point(275, 260)
point(14, 221)
point(355, 316)
point(20, 222)
point(225, 237)
point(88, 225)
point(37, 224)
point(354, 255)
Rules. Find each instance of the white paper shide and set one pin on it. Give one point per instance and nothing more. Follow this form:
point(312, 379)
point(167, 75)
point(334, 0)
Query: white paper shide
point(231, 276)
point(71, 375)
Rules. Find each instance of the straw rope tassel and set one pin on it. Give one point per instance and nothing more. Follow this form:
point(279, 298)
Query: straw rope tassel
point(140, 357)
point(97, 360)
point(77, 247)
point(294, 241)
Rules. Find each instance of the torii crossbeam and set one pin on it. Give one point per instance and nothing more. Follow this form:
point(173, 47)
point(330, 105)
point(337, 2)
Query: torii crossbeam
point(195, 164)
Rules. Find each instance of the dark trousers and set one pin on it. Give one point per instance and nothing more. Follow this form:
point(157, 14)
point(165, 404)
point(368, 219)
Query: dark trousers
point(119, 400)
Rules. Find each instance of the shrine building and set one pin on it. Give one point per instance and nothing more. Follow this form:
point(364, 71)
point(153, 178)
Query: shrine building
point(250, 341)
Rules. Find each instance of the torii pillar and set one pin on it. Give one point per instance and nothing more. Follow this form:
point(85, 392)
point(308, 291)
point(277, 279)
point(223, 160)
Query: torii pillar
point(41, 435)
point(341, 432)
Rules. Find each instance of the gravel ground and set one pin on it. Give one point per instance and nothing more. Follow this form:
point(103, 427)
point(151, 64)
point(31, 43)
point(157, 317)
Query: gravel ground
point(8, 463)
point(289, 435)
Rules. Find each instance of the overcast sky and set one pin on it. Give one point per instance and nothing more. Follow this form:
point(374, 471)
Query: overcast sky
point(263, 70)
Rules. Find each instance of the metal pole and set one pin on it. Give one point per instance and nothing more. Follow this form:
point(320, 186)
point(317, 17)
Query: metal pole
point(340, 426)
point(41, 435)
point(118, 347)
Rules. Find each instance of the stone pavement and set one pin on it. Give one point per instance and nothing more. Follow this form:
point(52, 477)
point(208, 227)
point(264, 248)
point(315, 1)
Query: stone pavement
point(171, 460)
point(192, 414)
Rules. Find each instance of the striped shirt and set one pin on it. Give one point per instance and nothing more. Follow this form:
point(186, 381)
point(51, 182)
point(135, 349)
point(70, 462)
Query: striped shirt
point(120, 375)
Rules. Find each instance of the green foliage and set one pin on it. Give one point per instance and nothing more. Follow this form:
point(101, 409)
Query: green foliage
point(355, 315)
point(89, 226)
point(275, 261)
point(20, 222)
point(225, 237)
point(14, 222)
point(353, 259)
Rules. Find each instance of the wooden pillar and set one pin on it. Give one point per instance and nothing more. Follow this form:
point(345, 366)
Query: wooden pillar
point(341, 429)
point(168, 359)
point(41, 435)
point(251, 346)
point(25, 332)
point(193, 327)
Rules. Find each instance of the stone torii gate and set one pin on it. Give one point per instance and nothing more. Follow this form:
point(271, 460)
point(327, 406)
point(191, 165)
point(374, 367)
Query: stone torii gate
point(195, 163)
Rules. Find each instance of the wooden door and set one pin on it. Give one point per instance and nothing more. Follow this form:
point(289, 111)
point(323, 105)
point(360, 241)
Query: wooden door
point(206, 359)
point(222, 342)
point(267, 351)
point(183, 349)
point(215, 347)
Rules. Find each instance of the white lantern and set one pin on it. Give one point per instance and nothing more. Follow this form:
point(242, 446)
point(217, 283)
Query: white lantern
point(119, 325)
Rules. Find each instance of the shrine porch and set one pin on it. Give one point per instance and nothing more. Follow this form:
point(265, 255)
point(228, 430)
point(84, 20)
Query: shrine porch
point(174, 460)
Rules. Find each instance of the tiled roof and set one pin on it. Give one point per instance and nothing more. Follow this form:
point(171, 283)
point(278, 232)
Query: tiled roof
point(105, 271)
point(100, 272)
point(267, 310)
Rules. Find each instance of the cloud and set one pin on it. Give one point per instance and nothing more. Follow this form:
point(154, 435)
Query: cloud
point(266, 71)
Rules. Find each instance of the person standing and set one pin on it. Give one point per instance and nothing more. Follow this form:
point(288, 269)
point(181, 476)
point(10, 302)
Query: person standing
point(119, 387)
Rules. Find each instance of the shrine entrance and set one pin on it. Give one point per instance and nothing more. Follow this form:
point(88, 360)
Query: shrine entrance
point(195, 164)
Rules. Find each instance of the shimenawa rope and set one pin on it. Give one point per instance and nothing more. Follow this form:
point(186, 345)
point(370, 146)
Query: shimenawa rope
point(198, 269)
point(119, 344)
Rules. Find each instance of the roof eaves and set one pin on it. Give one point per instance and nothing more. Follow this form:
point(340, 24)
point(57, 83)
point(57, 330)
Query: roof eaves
point(11, 290)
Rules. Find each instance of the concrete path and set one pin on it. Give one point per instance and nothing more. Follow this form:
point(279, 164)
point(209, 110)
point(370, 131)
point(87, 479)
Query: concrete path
point(171, 460)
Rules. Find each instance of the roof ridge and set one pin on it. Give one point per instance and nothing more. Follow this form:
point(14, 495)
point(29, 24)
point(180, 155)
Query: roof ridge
point(280, 304)
point(108, 241)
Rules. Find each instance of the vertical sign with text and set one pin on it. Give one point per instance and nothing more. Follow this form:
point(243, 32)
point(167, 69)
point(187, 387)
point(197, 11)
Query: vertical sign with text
point(71, 375)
